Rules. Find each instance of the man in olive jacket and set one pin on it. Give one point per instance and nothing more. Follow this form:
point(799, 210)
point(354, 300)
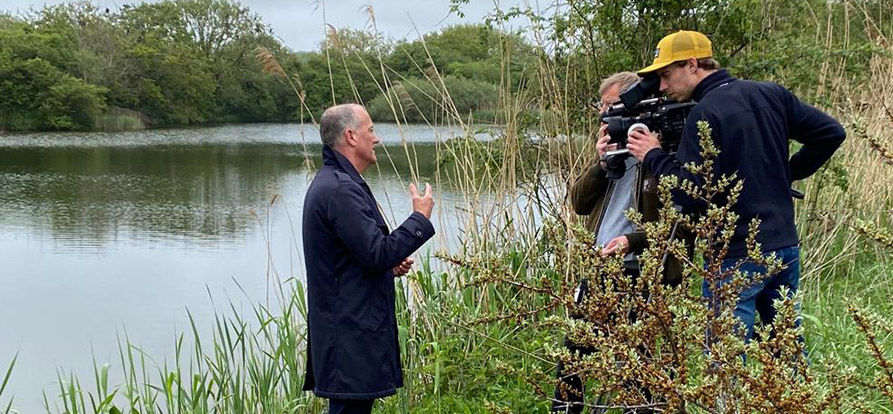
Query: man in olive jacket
point(353, 356)
point(604, 202)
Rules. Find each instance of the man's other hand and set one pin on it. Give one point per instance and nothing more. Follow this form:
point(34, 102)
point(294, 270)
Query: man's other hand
point(403, 268)
point(640, 142)
point(601, 145)
point(422, 203)
point(618, 244)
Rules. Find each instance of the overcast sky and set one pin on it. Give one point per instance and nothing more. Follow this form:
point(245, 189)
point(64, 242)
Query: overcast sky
point(300, 24)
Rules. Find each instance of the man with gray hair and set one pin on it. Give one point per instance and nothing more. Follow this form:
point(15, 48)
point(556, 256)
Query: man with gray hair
point(604, 202)
point(352, 259)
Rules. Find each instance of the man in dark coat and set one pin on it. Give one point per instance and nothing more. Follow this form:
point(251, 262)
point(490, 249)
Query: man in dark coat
point(752, 124)
point(352, 258)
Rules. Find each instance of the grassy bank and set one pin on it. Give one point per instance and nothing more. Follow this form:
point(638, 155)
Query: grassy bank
point(119, 119)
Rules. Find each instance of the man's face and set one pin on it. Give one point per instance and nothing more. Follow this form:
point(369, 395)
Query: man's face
point(678, 81)
point(610, 97)
point(364, 138)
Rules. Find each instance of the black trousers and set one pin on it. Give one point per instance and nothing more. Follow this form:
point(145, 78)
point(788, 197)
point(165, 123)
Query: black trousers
point(569, 392)
point(350, 406)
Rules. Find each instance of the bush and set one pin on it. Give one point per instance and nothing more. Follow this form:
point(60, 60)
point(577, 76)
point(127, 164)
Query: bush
point(72, 104)
point(36, 95)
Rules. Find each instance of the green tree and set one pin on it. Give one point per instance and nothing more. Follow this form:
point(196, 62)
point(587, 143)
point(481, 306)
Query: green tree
point(35, 91)
point(245, 94)
point(35, 95)
point(419, 100)
point(470, 51)
point(355, 55)
point(195, 52)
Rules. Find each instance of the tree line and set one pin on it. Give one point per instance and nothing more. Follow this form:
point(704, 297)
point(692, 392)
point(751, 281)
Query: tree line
point(77, 66)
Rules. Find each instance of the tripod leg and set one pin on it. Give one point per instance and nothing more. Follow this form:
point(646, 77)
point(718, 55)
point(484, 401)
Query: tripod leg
point(600, 402)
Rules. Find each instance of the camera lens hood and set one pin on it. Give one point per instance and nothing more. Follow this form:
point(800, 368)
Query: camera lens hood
point(637, 125)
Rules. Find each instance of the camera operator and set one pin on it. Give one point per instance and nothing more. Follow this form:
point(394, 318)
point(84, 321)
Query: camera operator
point(605, 201)
point(752, 124)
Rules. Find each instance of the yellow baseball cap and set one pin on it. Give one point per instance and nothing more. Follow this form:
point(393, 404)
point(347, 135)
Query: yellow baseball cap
point(678, 46)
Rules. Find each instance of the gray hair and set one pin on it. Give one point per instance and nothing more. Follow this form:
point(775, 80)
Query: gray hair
point(335, 120)
point(625, 79)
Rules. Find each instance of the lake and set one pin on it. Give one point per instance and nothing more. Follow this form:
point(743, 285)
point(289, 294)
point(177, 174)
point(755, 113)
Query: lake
point(104, 235)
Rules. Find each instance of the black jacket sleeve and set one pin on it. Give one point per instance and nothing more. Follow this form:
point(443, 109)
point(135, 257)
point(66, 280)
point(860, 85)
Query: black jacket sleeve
point(354, 222)
point(662, 163)
point(638, 241)
point(820, 134)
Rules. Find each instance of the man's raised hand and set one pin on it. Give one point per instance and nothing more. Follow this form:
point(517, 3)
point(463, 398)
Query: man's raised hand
point(640, 143)
point(601, 143)
point(422, 203)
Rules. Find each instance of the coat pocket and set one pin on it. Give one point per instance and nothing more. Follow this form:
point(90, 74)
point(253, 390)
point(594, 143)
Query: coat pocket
point(376, 312)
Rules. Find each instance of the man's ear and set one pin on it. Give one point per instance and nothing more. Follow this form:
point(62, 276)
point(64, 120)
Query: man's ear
point(692, 65)
point(350, 139)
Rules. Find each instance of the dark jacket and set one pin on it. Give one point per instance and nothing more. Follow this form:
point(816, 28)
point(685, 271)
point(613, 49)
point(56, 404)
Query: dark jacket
point(752, 123)
point(590, 194)
point(352, 350)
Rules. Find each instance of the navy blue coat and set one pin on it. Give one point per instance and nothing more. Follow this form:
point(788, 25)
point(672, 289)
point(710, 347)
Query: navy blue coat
point(352, 350)
point(752, 124)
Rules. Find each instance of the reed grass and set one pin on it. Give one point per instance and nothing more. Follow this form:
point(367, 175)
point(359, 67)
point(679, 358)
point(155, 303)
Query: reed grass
point(119, 119)
point(4, 383)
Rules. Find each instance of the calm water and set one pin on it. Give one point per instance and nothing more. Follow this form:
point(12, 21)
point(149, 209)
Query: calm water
point(103, 234)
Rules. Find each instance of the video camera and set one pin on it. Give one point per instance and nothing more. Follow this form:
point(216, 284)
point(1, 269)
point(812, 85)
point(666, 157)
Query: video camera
point(641, 105)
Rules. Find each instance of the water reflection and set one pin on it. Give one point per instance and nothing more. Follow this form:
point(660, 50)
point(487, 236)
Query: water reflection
point(92, 195)
point(223, 135)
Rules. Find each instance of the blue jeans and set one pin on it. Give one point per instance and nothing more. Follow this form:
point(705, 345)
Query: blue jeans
point(759, 296)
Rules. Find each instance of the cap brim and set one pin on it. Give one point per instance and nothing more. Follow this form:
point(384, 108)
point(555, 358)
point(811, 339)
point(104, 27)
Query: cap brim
point(653, 67)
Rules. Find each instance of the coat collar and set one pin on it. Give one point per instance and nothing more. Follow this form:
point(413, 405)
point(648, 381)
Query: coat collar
point(331, 157)
point(711, 82)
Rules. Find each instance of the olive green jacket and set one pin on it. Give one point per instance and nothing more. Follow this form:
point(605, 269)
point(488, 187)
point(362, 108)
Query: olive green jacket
point(589, 195)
